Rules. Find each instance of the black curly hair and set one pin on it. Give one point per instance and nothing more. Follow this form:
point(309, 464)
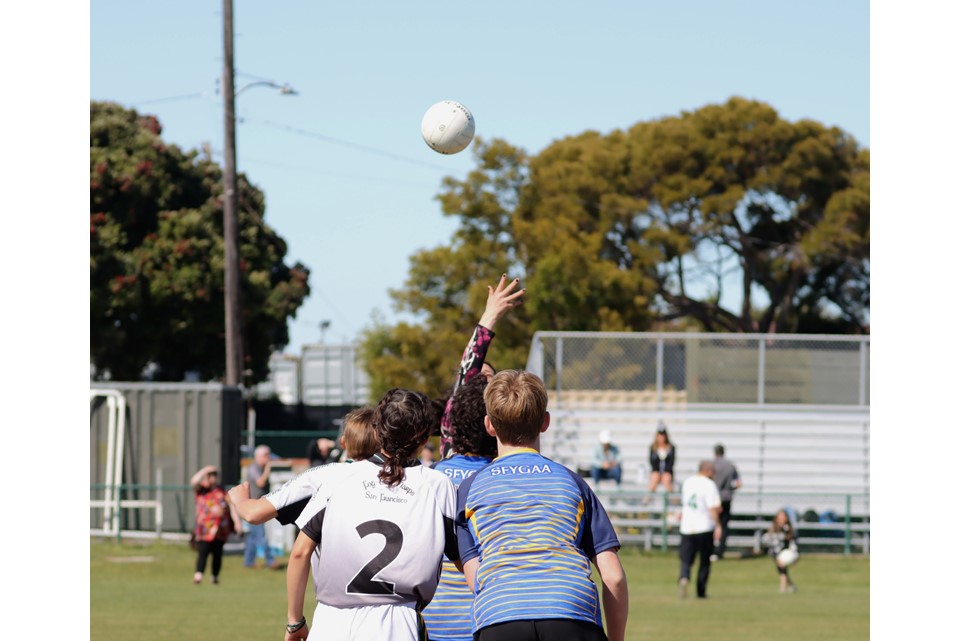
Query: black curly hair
point(403, 421)
point(466, 416)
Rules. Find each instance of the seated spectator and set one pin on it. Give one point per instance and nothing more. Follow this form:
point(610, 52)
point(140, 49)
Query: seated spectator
point(606, 460)
point(662, 455)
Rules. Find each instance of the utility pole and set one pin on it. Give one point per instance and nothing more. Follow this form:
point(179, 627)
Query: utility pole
point(231, 258)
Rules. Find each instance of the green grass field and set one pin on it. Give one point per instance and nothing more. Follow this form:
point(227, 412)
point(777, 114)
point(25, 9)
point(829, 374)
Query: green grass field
point(144, 592)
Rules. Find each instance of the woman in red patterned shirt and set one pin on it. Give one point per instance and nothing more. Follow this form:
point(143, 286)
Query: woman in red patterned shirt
point(215, 520)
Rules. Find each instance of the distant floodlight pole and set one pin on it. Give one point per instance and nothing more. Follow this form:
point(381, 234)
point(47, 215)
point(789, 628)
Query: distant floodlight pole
point(231, 258)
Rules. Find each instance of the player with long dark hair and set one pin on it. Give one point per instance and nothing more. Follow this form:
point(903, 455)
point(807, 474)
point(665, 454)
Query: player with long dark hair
point(500, 299)
point(375, 533)
point(449, 617)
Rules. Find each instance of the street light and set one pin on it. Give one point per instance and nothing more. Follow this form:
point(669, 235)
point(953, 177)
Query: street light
point(285, 89)
point(231, 267)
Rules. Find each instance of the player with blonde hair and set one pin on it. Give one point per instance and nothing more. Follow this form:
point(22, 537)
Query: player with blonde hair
point(359, 441)
point(359, 438)
point(528, 529)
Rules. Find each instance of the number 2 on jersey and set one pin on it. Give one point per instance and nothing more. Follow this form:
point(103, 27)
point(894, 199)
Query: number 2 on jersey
point(363, 582)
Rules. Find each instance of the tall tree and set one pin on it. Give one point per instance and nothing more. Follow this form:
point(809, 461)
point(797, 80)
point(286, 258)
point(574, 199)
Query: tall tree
point(784, 207)
point(644, 229)
point(156, 258)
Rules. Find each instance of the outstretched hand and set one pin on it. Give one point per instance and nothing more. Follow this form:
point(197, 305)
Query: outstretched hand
point(239, 493)
point(500, 300)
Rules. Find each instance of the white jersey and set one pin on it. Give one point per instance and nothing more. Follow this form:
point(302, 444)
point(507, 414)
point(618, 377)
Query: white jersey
point(290, 499)
point(700, 494)
point(379, 545)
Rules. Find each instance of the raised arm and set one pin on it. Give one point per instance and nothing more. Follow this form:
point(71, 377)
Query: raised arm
point(261, 480)
point(499, 301)
point(202, 472)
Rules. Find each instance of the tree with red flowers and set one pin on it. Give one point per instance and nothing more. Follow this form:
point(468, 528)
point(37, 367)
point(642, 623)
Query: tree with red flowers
point(156, 258)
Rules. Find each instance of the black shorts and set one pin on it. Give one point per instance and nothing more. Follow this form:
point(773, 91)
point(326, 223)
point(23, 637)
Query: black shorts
point(541, 630)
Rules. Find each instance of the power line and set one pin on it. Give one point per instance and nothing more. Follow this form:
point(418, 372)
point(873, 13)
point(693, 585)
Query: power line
point(326, 299)
point(242, 74)
point(186, 96)
point(346, 143)
point(299, 131)
point(313, 170)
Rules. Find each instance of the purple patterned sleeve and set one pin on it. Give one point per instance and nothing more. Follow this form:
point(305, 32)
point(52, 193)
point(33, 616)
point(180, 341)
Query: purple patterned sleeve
point(470, 365)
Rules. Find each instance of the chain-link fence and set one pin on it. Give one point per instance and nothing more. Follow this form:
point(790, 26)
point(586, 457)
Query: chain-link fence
point(696, 368)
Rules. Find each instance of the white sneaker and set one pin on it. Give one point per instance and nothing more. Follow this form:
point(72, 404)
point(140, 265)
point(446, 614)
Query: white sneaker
point(714, 558)
point(683, 588)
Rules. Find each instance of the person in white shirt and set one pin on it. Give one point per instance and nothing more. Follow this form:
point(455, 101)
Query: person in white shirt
point(699, 527)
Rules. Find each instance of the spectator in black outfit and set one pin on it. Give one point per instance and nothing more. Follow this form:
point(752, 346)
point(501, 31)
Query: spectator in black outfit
point(662, 454)
point(727, 479)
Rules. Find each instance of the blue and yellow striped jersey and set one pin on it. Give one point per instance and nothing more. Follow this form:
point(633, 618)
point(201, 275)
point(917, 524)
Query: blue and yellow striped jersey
point(449, 617)
point(534, 525)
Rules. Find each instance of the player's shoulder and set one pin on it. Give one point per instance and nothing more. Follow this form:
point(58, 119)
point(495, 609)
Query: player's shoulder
point(431, 476)
point(436, 484)
point(532, 465)
point(313, 478)
point(332, 472)
point(461, 462)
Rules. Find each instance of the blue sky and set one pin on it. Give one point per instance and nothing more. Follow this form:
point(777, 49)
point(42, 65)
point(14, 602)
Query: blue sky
point(349, 182)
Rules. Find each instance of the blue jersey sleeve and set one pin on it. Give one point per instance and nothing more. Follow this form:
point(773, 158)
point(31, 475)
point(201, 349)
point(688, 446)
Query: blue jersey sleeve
point(598, 533)
point(466, 541)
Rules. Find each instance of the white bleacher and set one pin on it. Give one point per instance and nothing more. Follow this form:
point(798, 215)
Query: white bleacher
point(820, 451)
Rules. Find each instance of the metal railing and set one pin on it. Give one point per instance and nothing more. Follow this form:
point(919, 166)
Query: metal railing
point(116, 504)
point(652, 521)
point(639, 517)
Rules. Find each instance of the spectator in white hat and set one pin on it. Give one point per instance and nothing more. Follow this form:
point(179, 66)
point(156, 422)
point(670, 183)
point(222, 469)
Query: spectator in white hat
point(606, 460)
